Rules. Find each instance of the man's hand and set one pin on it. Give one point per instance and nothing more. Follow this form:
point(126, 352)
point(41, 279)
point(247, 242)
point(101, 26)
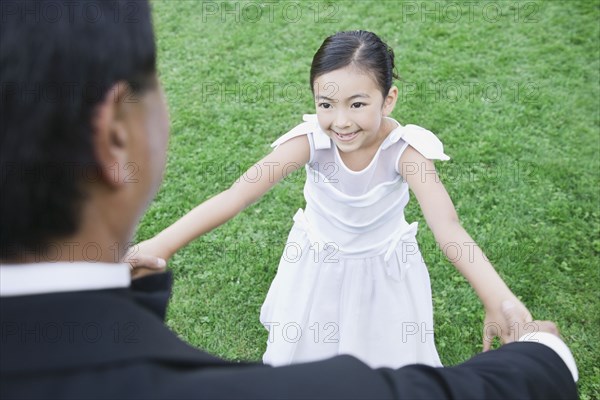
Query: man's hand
point(145, 258)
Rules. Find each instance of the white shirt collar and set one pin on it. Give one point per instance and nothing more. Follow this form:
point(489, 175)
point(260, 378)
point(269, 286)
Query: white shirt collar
point(40, 278)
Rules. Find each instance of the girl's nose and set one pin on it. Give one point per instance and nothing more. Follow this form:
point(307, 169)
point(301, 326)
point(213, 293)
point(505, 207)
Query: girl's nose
point(341, 121)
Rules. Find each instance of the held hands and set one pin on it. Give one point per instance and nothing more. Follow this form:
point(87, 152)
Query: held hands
point(146, 258)
point(521, 327)
point(507, 320)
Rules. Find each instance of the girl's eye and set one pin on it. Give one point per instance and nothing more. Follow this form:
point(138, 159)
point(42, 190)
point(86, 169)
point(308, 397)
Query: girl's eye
point(358, 105)
point(325, 105)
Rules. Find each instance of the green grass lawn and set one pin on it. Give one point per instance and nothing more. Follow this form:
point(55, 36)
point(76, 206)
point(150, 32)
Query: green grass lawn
point(511, 88)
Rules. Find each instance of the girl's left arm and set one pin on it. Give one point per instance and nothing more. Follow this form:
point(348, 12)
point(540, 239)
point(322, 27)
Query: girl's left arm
point(439, 212)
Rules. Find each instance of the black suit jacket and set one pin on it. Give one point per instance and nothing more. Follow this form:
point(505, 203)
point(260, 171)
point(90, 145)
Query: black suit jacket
point(114, 344)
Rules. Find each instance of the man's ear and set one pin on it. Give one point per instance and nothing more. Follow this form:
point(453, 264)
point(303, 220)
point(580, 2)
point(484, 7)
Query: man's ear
point(390, 101)
point(110, 135)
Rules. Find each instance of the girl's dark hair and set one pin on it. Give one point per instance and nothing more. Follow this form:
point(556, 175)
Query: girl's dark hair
point(53, 74)
point(362, 49)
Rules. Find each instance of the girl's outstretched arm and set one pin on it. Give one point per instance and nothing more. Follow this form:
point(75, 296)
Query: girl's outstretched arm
point(440, 214)
point(251, 186)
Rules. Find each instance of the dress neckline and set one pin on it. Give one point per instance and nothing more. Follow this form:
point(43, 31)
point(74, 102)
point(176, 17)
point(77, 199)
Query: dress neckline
point(375, 156)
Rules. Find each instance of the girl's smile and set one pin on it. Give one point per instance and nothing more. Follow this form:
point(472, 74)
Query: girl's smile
point(346, 137)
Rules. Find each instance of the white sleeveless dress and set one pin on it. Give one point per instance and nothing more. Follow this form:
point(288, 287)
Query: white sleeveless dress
point(351, 279)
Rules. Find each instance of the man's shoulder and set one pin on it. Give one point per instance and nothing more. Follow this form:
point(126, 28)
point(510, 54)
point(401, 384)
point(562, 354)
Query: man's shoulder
point(62, 331)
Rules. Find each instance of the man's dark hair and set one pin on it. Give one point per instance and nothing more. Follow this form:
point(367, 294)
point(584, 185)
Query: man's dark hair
point(58, 61)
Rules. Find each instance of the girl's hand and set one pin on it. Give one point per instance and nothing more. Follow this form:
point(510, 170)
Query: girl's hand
point(145, 258)
point(513, 318)
point(496, 323)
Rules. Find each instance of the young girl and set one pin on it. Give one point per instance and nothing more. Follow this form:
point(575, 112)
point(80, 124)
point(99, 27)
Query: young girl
point(351, 279)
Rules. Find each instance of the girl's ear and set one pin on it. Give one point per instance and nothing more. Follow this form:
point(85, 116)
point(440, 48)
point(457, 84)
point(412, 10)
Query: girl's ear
point(390, 101)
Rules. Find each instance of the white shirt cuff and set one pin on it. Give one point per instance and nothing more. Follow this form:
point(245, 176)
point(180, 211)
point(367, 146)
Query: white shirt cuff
point(556, 344)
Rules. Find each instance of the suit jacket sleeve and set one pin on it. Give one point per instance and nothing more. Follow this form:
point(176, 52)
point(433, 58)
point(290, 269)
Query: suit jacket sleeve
point(518, 370)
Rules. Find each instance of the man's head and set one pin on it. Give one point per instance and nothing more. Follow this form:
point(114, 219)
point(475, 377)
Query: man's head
point(84, 126)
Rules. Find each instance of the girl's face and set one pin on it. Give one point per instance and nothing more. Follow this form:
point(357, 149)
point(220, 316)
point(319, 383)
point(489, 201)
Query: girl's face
point(351, 109)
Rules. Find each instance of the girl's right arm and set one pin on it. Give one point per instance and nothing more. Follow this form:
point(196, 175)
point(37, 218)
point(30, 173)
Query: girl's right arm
point(282, 161)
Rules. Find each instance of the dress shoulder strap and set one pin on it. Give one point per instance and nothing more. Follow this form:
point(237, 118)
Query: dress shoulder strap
point(310, 125)
point(423, 140)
